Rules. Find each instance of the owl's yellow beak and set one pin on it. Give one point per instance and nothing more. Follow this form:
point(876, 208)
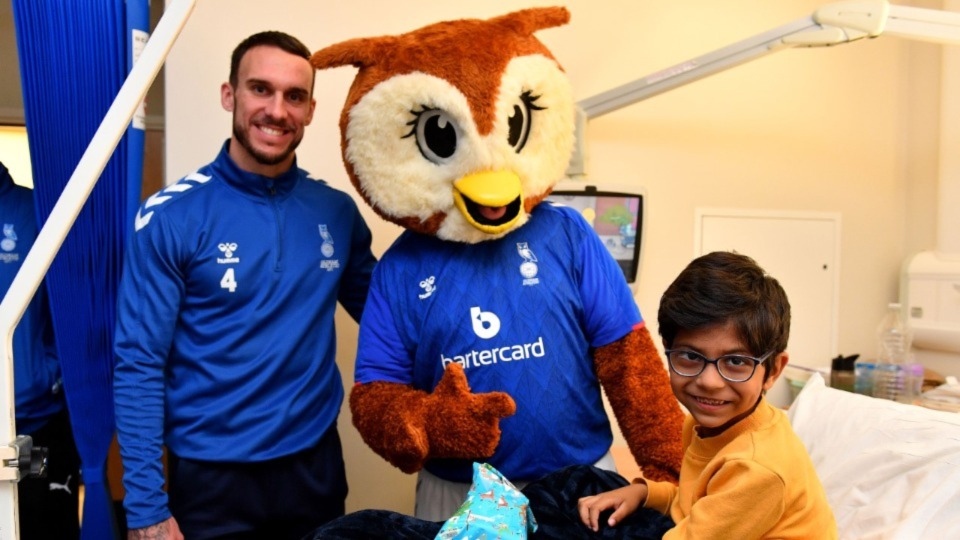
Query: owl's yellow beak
point(490, 201)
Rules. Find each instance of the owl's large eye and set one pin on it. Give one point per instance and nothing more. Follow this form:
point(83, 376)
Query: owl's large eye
point(521, 121)
point(436, 134)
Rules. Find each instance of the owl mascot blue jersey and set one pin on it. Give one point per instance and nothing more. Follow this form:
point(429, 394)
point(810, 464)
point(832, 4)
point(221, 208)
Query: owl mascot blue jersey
point(520, 315)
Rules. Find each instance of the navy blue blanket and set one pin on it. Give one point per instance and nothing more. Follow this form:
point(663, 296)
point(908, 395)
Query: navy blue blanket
point(553, 500)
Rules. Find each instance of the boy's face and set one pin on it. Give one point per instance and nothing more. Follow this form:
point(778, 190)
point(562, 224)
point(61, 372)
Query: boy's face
point(715, 402)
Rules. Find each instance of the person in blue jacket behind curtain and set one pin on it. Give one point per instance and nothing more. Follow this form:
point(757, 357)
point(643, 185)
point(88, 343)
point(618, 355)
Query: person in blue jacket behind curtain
point(49, 506)
point(225, 335)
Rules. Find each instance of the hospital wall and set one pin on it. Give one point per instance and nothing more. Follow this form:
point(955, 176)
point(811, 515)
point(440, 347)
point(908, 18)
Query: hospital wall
point(852, 129)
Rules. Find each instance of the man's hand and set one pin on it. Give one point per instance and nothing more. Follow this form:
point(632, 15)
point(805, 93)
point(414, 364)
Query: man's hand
point(623, 501)
point(165, 530)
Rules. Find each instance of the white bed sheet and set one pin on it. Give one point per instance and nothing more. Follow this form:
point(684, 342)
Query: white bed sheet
point(890, 470)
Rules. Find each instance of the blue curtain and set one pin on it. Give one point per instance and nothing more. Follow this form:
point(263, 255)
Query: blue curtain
point(74, 56)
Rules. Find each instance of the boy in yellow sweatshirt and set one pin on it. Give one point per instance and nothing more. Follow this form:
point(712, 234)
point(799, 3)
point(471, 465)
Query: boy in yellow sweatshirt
point(745, 473)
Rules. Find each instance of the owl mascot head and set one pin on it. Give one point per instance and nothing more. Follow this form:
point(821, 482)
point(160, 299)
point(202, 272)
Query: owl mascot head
point(495, 318)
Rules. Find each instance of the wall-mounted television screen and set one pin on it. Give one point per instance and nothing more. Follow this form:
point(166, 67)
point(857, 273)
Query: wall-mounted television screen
point(616, 216)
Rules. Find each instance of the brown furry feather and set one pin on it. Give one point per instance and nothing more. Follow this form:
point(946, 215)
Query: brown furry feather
point(407, 426)
point(638, 387)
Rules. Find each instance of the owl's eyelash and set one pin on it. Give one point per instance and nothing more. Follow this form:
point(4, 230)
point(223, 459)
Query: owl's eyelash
point(531, 100)
point(416, 116)
point(527, 97)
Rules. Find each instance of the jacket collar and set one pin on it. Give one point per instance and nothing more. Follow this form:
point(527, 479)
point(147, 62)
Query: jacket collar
point(252, 183)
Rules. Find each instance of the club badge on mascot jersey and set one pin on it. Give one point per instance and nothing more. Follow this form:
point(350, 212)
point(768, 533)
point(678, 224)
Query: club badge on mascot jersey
point(458, 131)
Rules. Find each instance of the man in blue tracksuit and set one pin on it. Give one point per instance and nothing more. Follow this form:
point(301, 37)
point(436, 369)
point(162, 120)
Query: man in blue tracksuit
point(225, 334)
point(48, 506)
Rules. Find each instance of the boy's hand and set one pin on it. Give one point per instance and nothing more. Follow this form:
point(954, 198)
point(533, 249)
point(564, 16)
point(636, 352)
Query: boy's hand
point(623, 501)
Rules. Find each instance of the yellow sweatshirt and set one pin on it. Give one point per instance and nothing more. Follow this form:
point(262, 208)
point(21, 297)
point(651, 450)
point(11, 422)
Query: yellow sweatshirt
point(755, 480)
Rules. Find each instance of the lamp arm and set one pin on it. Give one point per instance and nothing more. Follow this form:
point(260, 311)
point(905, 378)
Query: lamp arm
point(931, 25)
point(694, 69)
point(832, 24)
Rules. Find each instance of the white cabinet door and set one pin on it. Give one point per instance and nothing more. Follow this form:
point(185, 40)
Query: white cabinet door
point(802, 251)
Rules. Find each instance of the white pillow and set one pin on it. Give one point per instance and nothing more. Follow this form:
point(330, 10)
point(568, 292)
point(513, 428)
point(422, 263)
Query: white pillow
point(890, 470)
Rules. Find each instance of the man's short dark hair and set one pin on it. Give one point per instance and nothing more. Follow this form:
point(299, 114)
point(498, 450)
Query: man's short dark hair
point(725, 286)
point(270, 38)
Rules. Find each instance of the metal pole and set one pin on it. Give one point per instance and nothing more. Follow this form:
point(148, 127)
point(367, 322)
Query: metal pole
point(64, 214)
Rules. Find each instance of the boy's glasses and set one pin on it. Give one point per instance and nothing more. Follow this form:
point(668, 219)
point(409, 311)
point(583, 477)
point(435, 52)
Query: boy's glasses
point(732, 367)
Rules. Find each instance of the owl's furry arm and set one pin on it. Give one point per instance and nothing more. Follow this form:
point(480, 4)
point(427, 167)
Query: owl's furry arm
point(638, 387)
point(407, 426)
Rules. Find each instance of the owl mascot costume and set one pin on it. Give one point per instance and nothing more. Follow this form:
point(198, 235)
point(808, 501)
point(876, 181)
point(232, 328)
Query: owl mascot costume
point(495, 318)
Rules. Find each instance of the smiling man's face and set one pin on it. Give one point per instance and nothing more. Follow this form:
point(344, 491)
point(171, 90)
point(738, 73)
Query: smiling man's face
point(272, 103)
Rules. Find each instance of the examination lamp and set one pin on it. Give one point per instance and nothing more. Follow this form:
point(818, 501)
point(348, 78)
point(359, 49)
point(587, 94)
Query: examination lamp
point(832, 24)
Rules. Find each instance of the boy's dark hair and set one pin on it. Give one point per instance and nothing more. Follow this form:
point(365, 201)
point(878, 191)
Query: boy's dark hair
point(271, 38)
point(724, 286)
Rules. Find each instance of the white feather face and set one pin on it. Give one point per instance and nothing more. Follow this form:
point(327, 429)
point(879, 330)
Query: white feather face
point(412, 136)
point(544, 159)
point(382, 146)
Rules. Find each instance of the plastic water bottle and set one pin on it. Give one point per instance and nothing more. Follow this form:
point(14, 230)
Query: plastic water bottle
point(890, 373)
point(863, 376)
point(888, 381)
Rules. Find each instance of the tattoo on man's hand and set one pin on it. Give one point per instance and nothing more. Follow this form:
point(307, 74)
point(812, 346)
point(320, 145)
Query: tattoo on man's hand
point(153, 532)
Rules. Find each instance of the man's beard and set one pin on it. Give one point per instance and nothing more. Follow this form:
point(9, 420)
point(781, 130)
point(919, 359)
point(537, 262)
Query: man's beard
point(260, 157)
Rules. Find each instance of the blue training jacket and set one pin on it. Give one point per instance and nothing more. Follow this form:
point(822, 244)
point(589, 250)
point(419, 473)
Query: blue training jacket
point(225, 333)
point(36, 367)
